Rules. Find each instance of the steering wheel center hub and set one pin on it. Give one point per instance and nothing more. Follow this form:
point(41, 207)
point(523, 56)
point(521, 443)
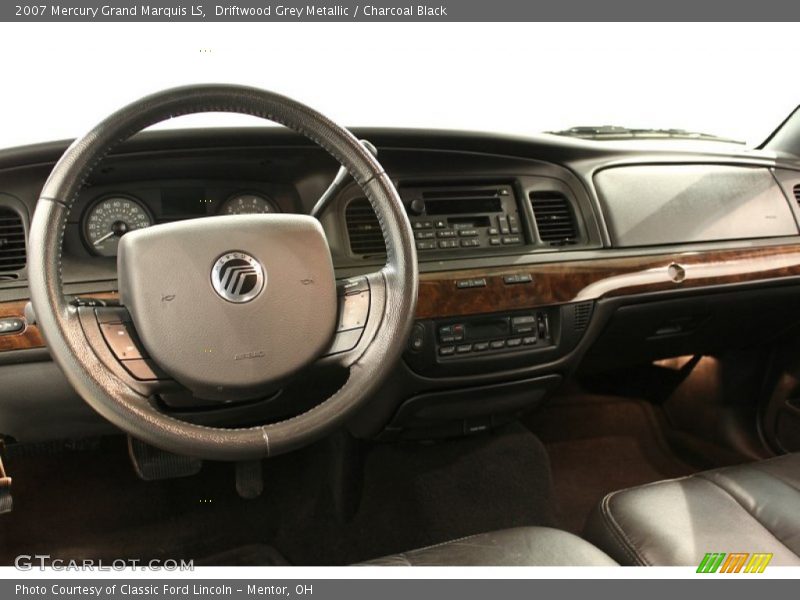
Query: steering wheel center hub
point(205, 313)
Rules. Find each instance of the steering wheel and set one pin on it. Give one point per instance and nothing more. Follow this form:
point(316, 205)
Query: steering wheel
point(229, 307)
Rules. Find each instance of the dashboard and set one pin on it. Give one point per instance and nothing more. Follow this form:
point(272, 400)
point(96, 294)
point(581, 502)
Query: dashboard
point(538, 258)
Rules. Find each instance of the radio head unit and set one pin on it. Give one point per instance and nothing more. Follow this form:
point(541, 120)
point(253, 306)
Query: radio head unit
point(463, 218)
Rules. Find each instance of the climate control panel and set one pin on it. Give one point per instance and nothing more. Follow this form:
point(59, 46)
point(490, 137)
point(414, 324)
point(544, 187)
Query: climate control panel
point(502, 333)
point(485, 343)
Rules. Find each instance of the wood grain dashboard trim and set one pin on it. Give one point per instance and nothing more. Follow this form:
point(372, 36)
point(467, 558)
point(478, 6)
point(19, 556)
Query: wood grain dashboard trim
point(573, 281)
point(553, 283)
point(30, 337)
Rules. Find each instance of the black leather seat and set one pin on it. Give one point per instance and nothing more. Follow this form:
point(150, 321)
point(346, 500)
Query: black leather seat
point(524, 546)
point(749, 508)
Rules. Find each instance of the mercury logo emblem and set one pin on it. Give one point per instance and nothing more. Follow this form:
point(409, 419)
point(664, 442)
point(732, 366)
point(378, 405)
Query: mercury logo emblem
point(238, 277)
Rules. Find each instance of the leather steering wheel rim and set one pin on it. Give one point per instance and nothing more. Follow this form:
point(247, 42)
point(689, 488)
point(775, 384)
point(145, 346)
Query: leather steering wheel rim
point(141, 416)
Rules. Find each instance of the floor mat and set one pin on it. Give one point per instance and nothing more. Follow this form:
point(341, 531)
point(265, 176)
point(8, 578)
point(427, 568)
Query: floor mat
point(600, 444)
point(86, 502)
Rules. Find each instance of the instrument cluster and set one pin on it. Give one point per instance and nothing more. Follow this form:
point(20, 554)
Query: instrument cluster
point(112, 214)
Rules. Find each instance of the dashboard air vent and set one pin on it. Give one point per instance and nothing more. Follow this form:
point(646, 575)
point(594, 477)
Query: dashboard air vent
point(797, 193)
point(12, 243)
point(583, 314)
point(363, 229)
point(555, 219)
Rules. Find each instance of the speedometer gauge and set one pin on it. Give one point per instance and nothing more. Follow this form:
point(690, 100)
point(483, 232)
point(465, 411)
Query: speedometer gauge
point(109, 219)
point(248, 204)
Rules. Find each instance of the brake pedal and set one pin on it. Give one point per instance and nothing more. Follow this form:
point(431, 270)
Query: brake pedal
point(6, 500)
point(152, 464)
point(249, 479)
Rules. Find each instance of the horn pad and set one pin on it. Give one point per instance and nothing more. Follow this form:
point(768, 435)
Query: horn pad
point(230, 306)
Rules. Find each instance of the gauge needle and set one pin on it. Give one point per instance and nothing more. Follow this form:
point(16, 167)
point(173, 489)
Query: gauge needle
point(104, 238)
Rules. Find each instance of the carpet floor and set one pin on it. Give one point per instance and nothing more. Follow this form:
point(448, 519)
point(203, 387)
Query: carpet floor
point(85, 501)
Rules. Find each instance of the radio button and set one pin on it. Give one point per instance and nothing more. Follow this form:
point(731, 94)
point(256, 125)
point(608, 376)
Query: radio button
point(447, 350)
point(448, 233)
point(497, 344)
point(480, 346)
point(468, 232)
point(529, 340)
point(464, 348)
point(514, 342)
point(493, 231)
point(448, 244)
point(440, 224)
point(473, 243)
point(503, 222)
point(426, 245)
point(424, 235)
point(512, 239)
point(421, 225)
point(494, 241)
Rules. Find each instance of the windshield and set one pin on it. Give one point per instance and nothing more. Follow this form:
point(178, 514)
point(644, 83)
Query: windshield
point(720, 82)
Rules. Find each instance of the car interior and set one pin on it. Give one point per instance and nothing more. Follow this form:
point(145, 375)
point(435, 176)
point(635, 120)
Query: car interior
point(306, 345)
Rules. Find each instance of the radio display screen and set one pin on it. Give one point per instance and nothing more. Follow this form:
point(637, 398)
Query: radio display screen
point(454, 206)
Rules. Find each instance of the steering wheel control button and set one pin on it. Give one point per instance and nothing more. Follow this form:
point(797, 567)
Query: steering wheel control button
point(355, 285)
point(143, 369)
point(11, 325)
point(237, 277)
point(119, 339)
point(353, 311)
point(112, 314)
point(344, 341)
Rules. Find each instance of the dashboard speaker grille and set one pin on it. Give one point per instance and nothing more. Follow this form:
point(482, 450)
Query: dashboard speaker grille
point(555, 219)
point(796, 191)
point(13, 254)
point(363, 229)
